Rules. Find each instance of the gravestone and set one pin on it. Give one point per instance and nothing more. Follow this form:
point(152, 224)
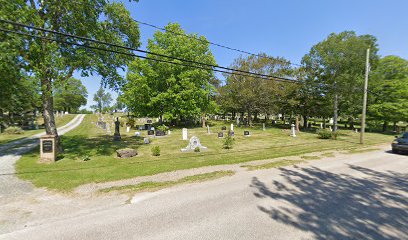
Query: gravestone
point(331, 121)
point(116, 135)
point(48, 150)
point(208, 129)
point(168, 132)
point(142, 127)
point(231, 133)
point(146, 140)
point(147, 126)
point(330, 128)
point(126, 153)
point(223, 128)
point(127, 129)
point(149, 121)
point(273, 122)
point(150, 132)
point(193, 144)
point(356, 130)
point(232, 127)
point(160, 133)
point(153, 129)
point(309, 125)
point(137, 134)
point(293, 131)
point(238, 121)
point(246, 134)
point(220, 135)
point(185, 134)
point(263, 127)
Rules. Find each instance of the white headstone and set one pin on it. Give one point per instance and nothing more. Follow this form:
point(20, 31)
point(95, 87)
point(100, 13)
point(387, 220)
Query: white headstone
point(193, 144)
point(168, 132)
point(356, 130)
point(137, 134)
point(237, 120)
point(263, 127)
point(146, 140)
point(152, 128)
point(331, 121)
point(185, 137)
point(127, 129)
point(66, 112)
point(208, 129)
point(321, 125)
point(330, 128)
point(293, 131)
point(232, 127)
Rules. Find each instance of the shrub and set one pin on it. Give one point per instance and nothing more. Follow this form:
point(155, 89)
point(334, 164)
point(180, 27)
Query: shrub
point(326, 134)
point(228, 142)
point(162, 128)
point(13, 130)
point(197, 149)
point(156, 151)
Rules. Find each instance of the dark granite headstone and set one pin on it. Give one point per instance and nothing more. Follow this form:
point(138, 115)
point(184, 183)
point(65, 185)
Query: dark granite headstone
point(246, 133)
point(220, 134)
point(150, 132)
point(231, 133)
point(223, 128)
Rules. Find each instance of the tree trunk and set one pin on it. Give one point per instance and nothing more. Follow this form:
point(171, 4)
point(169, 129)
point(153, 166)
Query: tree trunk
point(305, 121)
point(203, 125)
point(385, 125)
point(233, 115)
point(324, 123)
point(335, 112)
point(394, 126)
point(249, 118)
point(48, 113)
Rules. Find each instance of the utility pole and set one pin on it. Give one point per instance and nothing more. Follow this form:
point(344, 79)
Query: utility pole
point(363, 116)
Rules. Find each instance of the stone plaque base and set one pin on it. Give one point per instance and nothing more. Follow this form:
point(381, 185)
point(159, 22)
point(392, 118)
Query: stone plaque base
point(48, 149)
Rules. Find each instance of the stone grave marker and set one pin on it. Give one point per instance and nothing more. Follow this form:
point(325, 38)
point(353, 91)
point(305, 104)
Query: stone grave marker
point(208, 129)
point(232, 127)
point(263, 127)
point(127, 129)
point(321, 125)
point(293, 131)
point(48, 150)
point(193, 144)
point(185, 134)
point(246, 134)
point(231, 133)
point(330, 128)
point(168, 132)
point(137, 134)
point(146, 140)
point(116, 135)
point(220, 135)
point(223, 128)
point(150, 132)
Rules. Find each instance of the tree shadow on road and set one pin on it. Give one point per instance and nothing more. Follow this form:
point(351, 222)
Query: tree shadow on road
point(340, 206)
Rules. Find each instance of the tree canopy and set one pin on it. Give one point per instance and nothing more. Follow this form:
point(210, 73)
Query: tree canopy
point(70, 96)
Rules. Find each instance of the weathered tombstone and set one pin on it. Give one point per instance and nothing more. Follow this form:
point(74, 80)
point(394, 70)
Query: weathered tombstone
point(150, 132)
point(273, 122)
point(208, 129)
point(152, 128)
point(220, 135)
point(293, 130)
point(263, 127)
point(160, 133)
point(185, 134)
point(331, 121)
point(330, 128)
point(127, 129)
point(223, 128)
point(168, 132)
point(141, 127)
point(231, 133)
point(147, 126)
point(321, 125)
point(66, 113)
point(137, 134)
point(237, 121)
point(116, 135)
point(246, 134)
point(232, 127)
point(146, 140)
point(193, 144)
point(48, 150)
point(356, 130)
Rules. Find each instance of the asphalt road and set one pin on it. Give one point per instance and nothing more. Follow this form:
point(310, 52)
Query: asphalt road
point(362, 196)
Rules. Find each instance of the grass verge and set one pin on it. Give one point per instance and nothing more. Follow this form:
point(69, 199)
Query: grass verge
point(276, 164)
point(155, 186)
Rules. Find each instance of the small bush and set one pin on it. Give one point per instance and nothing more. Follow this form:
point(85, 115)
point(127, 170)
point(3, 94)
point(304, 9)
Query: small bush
point(326, 134)
point(156, 151)
point(162, 128)
point(228, 142)
point(197, 149)
point(86, 158)
point(13, 130)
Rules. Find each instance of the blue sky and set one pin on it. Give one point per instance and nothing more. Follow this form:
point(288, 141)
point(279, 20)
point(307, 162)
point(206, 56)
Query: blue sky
point(279, 28)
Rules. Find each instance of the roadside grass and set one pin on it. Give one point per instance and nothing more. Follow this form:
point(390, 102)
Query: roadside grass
point(155, 186)
point(311, 157)
point(276, 164)
point(60, 121)
point(89, 141)
point(353, 151)
point(327, 154)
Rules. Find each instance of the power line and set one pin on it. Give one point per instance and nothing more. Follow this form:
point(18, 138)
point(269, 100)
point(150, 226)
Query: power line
point(209, 42)
point(144, 51)
point(139, 56)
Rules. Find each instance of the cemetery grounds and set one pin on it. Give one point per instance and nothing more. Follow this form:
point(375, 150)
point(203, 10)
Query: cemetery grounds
point(90, 152)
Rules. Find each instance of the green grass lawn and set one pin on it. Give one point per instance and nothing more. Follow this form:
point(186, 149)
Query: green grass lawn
point(59, 121)
point(89, 141)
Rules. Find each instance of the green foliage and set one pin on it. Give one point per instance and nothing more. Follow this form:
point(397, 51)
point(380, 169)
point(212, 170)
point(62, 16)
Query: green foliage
point(70, 96)
point(155, 151)
point(172, 91)
point(162, 128)
point(326, 134)
point(14, 130)
point(103, 100)
point(228, 142)
point(389, 82)
point(197, 149)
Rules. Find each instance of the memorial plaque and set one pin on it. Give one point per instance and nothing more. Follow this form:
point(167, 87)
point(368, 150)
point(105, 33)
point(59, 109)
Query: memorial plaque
point(246, 133)
point(150, 132)
point(223, 128)
point(220, 134)
point(47, 146)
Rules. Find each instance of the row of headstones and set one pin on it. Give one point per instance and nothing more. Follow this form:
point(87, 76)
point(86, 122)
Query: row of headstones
point(60, 113)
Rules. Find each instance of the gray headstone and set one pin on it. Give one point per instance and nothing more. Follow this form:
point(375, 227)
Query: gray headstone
point(193, 144)
point(146, 140)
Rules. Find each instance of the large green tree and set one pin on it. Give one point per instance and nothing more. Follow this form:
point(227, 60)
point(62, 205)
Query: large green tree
point(172, 91)
point(338, 65)
point(70, 96)
point(103, 100)
point(51, 62)
point(389, 91)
